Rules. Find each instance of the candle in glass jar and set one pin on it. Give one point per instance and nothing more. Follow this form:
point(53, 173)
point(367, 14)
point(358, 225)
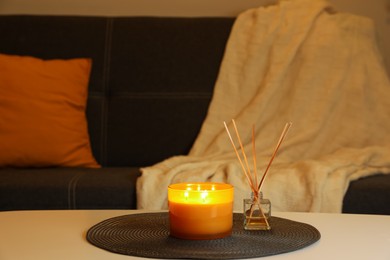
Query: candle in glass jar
point(200, 210)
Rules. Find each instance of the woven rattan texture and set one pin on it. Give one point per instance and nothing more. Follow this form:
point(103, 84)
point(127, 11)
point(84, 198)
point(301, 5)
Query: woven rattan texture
point(147, 235)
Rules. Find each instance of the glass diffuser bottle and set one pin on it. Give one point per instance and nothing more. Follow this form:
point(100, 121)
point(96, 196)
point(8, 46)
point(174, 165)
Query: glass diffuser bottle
point(257, 212)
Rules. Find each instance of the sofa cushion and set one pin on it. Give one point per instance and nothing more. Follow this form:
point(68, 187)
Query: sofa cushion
point(369, 195)
point(68, 188)
point(162, 76)
point(42, 107)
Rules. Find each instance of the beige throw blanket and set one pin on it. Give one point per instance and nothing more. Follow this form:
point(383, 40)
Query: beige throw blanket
point(296, 61)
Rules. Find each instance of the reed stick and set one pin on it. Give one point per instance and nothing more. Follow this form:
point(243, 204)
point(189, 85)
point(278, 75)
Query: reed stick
point(254, 156)
point(243, 152)
point(282, 136)
point(239, 158)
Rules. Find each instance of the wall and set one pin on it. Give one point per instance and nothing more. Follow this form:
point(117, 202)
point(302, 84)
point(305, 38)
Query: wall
point(378, 10)
point(131, 7)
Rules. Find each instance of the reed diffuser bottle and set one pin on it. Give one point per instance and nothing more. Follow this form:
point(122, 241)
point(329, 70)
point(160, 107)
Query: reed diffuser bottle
point(257, 212)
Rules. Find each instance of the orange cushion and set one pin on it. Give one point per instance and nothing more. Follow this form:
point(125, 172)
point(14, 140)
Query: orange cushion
point(42, 112)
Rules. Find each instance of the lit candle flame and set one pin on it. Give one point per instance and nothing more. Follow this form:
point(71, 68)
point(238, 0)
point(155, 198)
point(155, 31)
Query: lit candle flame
point(204, 195)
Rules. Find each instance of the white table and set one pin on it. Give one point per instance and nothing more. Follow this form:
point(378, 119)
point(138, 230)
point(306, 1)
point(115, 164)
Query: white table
point(61, 235)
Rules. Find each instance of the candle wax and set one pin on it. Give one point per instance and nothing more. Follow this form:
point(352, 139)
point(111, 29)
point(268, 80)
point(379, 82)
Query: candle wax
point(200, 221)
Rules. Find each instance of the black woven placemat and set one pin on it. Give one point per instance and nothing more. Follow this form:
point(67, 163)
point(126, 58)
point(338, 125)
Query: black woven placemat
point(147, 235)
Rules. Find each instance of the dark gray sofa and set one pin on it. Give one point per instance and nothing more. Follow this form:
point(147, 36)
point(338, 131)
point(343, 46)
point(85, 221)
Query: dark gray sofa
point(151, 84)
